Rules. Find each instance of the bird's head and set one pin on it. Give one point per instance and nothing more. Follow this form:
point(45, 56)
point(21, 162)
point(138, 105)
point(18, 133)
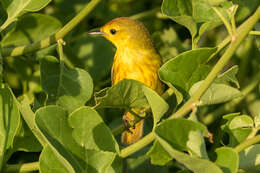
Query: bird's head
point(124, 31)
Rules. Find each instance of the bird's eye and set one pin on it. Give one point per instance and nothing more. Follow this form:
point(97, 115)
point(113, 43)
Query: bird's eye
point(113, 31)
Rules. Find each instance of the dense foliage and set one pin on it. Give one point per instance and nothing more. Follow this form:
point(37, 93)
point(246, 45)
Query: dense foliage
point(59, 114)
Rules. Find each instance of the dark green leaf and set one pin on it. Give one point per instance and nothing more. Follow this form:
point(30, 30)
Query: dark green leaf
point(25, 140)
point(158, 154)
point(132, 94)
point(180, 12)
point(177, 132)
point(28, 28)
point(3, 14)
point(186, 69)
point(69, 88)
point(125, 94)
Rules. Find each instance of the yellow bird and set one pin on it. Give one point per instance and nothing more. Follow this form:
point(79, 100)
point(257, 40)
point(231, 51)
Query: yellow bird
point(135, 58)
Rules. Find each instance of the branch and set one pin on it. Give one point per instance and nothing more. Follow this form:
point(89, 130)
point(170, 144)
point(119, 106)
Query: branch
point(247, 143)
point(238, 38)
point(34, 166)
point(20, 50)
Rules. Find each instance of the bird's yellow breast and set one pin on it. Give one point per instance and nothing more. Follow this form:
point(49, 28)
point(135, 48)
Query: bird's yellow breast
point(138, 65)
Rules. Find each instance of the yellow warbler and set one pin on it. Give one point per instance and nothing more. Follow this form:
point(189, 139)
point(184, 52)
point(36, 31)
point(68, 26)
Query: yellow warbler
point(135, 58)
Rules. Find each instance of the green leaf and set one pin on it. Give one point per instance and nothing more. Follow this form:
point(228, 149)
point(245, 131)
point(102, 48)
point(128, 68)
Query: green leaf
point(177, 132)
point(203, 12)
point(15, 8)
point(158, 105)
point(255, 112)
point(53, 123)
point(227, 159)
point(69, 88)
point(249, 159)
point(10, 121)
point(50, 163)
point(242, 121)
point(158, 154)
point(238, 128)
point(216, 93)
point(196, 141)
point(90, 132)
point(29, 117)
point(28, 27)
point(195, 15)
point(125, 94)
point(180, 12)
point(25, 140)
point(186, 69)
point(3, 14)
point(228, 76)
point(132, 94)
point(1, 67)
point(116, 167)
point(193, 163)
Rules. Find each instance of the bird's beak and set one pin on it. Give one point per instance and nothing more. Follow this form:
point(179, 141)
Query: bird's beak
point(96, 32)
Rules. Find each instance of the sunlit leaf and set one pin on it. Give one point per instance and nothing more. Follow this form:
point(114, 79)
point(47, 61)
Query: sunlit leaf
point(10, 121)
point(15, 8)
point(216, 93)
point(227, 159)
point(73, 150)
point(186, 69)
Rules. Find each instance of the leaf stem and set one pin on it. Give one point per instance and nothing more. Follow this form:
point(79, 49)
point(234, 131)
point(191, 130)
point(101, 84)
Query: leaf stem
point(254, 33)
point(247, 143)
point(20, 50)
point(33, 166)
point(238, 38)
point(137, 146)
point(224, 20)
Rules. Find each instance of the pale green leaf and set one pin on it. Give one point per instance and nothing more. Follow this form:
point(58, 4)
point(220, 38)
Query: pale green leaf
point(216, 93)
point(227, 159)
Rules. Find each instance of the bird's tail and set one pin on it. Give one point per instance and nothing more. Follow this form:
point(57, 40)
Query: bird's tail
point(134, 133)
